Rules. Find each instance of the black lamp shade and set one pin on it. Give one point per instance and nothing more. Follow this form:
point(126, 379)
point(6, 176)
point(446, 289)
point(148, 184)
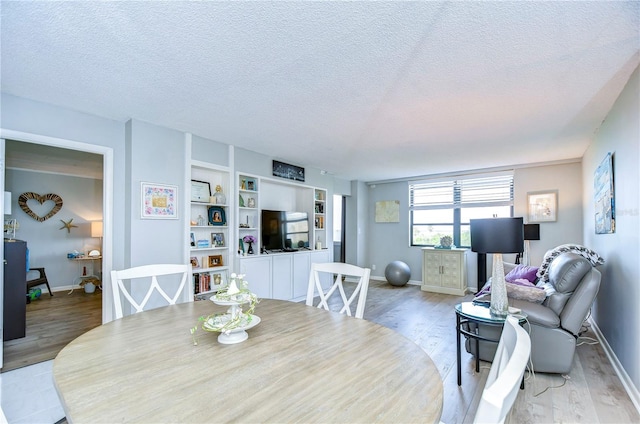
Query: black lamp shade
point(497, 235)
point(532, 231)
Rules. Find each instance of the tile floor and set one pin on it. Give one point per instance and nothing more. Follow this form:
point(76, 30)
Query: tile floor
point(27, 395)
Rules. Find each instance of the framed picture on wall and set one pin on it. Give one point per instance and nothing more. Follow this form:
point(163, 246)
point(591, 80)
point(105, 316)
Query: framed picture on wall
point(604, 201)
point(542, 206)
point(158, 201)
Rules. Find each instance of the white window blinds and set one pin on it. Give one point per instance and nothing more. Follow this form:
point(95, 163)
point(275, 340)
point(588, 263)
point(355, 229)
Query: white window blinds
point(467, 191)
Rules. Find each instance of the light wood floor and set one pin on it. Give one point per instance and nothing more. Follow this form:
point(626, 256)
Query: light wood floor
point(592, 394)
point(52, 322)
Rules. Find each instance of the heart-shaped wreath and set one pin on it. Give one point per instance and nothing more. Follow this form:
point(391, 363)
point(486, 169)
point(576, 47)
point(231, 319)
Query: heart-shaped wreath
point(57, 204)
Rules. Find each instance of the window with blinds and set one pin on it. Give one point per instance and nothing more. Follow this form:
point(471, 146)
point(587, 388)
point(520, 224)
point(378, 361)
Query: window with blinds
point(444, 207)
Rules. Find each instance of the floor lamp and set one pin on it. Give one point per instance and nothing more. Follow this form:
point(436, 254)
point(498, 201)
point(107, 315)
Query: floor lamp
point(496, 236)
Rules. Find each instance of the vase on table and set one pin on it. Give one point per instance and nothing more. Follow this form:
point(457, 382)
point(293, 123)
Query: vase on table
point(250, 248)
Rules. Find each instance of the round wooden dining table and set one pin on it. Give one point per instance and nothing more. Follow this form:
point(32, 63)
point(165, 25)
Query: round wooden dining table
point(299, 364)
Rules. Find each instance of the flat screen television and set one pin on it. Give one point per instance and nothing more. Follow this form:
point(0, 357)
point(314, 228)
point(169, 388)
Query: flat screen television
point(283, 231)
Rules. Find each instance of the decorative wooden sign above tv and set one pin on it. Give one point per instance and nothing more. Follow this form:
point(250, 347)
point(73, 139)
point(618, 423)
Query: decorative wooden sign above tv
point(57, 204)
point(291, 172)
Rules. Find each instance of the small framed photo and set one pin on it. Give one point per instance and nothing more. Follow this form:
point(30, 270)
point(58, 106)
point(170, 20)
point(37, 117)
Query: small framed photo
point(217, 216)
point(200, 191)
point(542, 206)
point(194, 262)
point(217, 239)
point(215, 260)
point(251, 184)
point(159, 201)
point(219, 278)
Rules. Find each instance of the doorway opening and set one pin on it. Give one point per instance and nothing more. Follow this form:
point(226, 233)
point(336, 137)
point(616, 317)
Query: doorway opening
point(46, 163)
point(339, 220)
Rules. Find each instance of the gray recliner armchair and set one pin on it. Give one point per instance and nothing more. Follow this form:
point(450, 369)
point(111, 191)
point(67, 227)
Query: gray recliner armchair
point(557, 322)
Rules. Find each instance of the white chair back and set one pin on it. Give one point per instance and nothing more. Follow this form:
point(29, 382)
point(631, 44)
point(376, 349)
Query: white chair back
point(338, 270)
point(505, 375)
point(146, 274)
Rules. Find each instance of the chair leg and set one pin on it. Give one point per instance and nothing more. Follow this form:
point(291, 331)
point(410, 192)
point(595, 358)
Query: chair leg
point(49, 288)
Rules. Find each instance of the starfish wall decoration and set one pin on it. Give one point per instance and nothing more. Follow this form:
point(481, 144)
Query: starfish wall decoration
point(68, 225)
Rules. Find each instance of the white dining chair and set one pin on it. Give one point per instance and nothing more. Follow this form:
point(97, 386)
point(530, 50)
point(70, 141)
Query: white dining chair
point(336, 271)
point(505, 375)
point(130, 284)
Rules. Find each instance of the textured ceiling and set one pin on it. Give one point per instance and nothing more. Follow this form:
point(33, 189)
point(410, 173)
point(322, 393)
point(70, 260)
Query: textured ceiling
point(367, 91)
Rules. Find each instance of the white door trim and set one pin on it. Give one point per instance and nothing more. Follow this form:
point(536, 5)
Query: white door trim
point(107, 201)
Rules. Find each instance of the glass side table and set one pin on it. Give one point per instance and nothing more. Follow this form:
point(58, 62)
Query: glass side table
point(478, 313)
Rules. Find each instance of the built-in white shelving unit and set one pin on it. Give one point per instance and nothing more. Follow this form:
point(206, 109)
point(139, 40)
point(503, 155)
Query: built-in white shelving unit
point(210, 240)
point(284, 274)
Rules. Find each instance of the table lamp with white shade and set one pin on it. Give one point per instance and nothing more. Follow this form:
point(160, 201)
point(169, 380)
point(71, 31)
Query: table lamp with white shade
point(96, 231)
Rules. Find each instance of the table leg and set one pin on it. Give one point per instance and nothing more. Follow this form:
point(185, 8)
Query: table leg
point(477, 350)
point(458, 349)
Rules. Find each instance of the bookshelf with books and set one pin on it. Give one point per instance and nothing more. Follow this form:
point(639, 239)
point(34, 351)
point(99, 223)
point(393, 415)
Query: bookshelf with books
point(209, 240)
point(319, 227)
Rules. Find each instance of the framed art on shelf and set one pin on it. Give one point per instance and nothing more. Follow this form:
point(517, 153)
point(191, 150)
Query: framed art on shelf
point(200, 191)
point(194, 262)
point(219, 278)
point(217, 239)
point(285, 170)
point(542, 206)
point(215, 260)
point(159, 201)
point(217, 216)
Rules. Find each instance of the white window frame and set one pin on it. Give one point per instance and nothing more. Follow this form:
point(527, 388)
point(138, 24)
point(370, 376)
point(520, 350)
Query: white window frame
point(464, 191)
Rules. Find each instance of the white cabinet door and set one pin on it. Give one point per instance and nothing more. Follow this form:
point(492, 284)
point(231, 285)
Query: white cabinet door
point(281, 277)
point(451, 270)
point(322, 256)
point(257, 271)
point(431, 263)
point(301, 267)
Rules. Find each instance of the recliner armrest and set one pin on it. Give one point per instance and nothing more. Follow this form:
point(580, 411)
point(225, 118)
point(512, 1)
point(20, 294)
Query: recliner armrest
point(537, 314)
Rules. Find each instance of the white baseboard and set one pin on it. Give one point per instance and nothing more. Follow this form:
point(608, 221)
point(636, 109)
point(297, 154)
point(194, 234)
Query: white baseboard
point(629, 387)
point(381, 278)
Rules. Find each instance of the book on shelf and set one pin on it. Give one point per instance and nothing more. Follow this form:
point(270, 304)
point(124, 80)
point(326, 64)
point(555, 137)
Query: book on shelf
point(201, 282)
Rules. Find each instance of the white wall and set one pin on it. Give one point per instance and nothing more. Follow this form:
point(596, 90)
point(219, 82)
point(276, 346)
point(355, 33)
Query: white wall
point(49, 244)
point(567, 180)
point(616, 309)
point(156, 155)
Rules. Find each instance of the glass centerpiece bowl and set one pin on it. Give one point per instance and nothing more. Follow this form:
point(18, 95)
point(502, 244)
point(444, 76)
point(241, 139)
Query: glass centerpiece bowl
point(232, 324)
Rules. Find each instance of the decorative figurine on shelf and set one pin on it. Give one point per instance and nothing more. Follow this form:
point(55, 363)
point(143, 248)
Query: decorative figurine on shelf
point(446, 242)
point(249, 239)
point(200, 220)
point(221, 199)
